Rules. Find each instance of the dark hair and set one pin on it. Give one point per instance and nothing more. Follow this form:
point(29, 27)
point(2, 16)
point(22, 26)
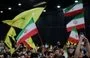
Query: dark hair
point(33, 55)
point(49, 52)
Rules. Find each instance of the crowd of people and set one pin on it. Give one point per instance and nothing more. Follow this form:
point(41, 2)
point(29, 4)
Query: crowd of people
point(81, 50)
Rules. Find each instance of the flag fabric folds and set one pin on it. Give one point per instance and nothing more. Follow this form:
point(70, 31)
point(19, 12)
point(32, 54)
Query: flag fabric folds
point(21, 20)
point(74, 37)
point(74, 9)
point(77, 22)
point(12, 33)
point(28, 31)
point(9, 44)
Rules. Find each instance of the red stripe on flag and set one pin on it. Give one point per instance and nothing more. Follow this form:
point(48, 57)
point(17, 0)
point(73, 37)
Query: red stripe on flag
point(73, 13)
point(77, 27)
point(29, 34)
point(73, 40)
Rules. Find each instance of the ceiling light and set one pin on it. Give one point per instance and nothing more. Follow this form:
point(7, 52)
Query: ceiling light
point(1, 11)
point(9, 8)
point(58, 6)
point(44, 10)
point(19, 4)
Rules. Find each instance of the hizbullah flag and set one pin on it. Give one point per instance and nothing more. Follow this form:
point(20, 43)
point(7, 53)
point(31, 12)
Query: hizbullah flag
point(74, 37)
point(12, 33)
point(77, 22)
point(8, 43)
point(27, 32)
point(74, 9)
point(21, 20)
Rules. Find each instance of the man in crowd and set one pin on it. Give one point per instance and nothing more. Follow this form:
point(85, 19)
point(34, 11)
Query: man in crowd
point(79, 52)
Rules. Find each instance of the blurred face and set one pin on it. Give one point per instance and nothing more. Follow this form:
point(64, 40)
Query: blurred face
point(61, 49)
point(57, 52)
point(71, 50)
point(29, 53)
point(51, 55)
point(24, 52)
point(61, 52)
point(20, 53)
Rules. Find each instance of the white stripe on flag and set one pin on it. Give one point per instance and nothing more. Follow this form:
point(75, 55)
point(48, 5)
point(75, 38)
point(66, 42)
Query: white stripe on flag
point(74, 35)
point(76, 7)
point(75, 22)
point(29, 28)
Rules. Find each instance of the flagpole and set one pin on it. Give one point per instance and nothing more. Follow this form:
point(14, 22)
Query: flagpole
point(39, 34)
point(40, 39)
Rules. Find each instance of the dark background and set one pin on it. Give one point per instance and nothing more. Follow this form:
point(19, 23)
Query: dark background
point(51, 24)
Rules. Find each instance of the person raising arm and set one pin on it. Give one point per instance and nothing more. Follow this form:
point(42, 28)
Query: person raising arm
point(77, 51)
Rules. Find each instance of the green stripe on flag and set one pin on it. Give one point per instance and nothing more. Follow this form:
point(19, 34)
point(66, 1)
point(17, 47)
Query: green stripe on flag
point(79, 16)
point(31, 21)
point(68, 8)
point(74, 29)
point(17, 38)
point(71, 6)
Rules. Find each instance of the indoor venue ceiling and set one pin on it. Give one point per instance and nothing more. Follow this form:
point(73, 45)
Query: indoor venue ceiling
point(22, 5)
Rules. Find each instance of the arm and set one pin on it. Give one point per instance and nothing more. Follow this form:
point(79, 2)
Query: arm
point(77, 51)
point(87, 46)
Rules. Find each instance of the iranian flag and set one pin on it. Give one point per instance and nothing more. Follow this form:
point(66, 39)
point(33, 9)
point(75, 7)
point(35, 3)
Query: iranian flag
point(74, 9)
point(74, 37)
point(27, 32)
point(77, 22)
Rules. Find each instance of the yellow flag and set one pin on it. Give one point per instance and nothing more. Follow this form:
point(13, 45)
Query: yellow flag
point(30, 43)
point(12, 50)
point(12, 33)
point(9, 44)
point(21, 20)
